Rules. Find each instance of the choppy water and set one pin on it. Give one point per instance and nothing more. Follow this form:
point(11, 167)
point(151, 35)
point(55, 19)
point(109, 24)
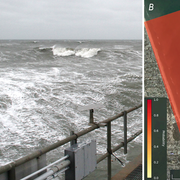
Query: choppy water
point(43, 83)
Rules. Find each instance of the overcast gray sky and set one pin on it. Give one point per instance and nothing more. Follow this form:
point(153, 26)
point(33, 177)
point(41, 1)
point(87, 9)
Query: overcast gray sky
point(70, 19)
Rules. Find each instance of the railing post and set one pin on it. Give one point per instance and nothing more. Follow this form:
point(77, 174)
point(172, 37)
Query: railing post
point(91, 118)
point(73, 141)
point(109, 149)
point(125, 132)
point(11, 174)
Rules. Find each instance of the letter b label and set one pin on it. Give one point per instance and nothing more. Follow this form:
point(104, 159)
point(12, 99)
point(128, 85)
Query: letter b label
point(151, 7)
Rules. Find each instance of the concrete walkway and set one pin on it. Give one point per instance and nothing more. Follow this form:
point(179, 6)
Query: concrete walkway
point(134, 168)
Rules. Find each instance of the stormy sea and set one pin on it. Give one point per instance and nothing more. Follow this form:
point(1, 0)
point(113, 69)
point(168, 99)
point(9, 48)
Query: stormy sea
point(43, 85)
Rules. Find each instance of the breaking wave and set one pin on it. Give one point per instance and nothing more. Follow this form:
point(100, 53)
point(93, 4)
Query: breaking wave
point(45, 49)
point(63, 51)
point(84, 52)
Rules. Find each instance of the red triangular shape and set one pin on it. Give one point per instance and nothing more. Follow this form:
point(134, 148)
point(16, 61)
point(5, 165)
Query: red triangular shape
point(164, 35)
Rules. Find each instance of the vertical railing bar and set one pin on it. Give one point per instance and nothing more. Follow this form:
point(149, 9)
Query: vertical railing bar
point(109, 149)
point(91, 118)
point(125, 132)
point(72, 142)
point(12, 174)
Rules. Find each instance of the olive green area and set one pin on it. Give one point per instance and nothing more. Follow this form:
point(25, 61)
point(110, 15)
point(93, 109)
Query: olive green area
point(175, 174)
point(154, 9)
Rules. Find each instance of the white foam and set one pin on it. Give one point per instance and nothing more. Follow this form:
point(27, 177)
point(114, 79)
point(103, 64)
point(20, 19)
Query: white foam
point(55, 71)
point(122, 47)
point(84, 52)
point(62, 52)
point(87, 53)
point(137, 53)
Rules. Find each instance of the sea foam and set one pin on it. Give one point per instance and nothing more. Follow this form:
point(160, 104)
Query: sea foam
point(84, 52)
point(87, 53)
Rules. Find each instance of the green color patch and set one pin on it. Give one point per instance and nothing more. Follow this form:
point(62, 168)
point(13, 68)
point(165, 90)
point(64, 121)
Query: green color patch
point(157, 8)
point(174, 174)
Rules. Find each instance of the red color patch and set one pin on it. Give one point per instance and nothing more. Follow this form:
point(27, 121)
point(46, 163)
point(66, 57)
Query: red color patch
point(164, 35)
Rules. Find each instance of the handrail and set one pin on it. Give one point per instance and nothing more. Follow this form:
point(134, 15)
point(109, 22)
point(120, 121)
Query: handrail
point(119, 146)
point(45, 168)
point(38, 153)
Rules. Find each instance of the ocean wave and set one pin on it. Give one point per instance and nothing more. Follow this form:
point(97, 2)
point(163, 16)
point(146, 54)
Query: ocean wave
point(63, 51)
point(119, 47)
point(45, 49)
point(87, 53)
point(83, 52)
point(5, 101)
point(81, 42)
point(136, 53)
point(35, 42)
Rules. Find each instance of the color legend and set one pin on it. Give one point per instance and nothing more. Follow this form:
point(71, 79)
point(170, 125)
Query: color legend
point(149, 138)
point(155, 151)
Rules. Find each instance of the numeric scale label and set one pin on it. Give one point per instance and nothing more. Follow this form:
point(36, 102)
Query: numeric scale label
point(155, 138)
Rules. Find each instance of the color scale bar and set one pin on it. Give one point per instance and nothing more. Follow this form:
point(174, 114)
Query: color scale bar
point(149, 138)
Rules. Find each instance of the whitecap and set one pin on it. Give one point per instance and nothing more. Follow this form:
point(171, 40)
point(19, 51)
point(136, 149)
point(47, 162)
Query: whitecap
point(44, 49)
point(84, 52)
point(62, 51)
point(55, 71)
point(87, 53)
point(122, 47)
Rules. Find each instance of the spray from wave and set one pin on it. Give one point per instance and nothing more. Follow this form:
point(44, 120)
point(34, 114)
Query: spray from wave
point(63, 51)
point(84, 52)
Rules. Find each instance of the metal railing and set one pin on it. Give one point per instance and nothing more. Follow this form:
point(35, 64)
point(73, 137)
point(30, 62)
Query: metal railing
point(73, 139)
point(50, 172)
